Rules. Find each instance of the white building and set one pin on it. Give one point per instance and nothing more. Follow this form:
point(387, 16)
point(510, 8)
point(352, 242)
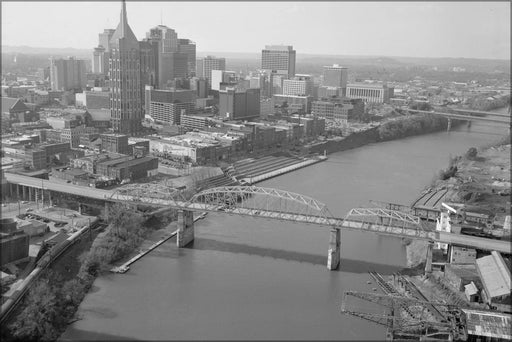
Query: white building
point(222, 76)
point(373, 93)
point(300, 85)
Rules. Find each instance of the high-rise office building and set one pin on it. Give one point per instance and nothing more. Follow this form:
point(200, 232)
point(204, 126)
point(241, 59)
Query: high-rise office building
point(188, 47)
point(204, 66)
point(125, 72)
point(99, 60)
point(67, 74)
point(336, 76)
point(236, 104)
point(166, 37)
point(172, 59)
point(101, 54)
point(278, 59)
point(148, 66)
point(168, 105)
point(104, 38)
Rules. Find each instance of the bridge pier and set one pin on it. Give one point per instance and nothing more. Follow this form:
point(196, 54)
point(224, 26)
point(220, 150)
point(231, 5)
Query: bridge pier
point(428, 262)
point(185, 228)
point(449, 127)
point(334, 253)
point(106, 211)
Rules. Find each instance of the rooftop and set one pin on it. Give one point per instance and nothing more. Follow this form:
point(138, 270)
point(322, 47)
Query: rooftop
point(489, 324)
point(495, 274)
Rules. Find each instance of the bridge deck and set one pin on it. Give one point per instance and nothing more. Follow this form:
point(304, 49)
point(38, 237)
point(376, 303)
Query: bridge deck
point(505, 120)
point(341, 223)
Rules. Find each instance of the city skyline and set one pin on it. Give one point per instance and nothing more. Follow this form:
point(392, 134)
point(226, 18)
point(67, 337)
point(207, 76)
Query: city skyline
point(419, 29)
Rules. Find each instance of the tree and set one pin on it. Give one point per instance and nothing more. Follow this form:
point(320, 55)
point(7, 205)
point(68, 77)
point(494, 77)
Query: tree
point(471, 153)
point(36, 321)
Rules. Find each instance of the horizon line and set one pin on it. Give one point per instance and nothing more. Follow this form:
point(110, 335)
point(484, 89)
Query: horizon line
point(258, 52)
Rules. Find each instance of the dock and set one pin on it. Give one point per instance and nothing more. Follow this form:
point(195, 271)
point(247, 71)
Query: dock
point(126, 266)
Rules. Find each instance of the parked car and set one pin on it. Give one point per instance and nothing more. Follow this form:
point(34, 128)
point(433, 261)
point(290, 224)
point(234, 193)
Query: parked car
point(29, 210)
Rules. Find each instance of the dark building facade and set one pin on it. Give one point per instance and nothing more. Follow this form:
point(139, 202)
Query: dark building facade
point(125, 73)
point(235, 104)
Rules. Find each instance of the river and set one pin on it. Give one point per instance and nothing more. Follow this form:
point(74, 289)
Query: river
point(248, 278)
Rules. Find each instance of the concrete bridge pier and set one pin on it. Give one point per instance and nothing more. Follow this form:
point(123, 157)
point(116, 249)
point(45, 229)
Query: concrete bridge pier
point(24, 192)
point(428, 262)
point(185, 228)
point(449, 127)
point(334, 253)
point(106, 211)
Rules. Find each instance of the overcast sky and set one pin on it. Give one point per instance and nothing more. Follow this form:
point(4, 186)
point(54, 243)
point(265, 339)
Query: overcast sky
point(415, 29)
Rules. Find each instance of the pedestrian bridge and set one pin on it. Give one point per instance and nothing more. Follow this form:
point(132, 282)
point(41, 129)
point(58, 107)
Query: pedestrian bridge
point(271, 204)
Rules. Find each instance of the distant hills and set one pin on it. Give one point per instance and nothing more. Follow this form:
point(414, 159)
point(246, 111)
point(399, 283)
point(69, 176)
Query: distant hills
point(352, 60)
point(82, 53)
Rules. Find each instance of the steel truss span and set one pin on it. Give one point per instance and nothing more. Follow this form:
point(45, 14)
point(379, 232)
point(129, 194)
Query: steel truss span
point(267, 202)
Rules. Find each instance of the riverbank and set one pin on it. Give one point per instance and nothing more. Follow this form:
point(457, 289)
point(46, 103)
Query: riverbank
point(56, 295)
point(481, 180)
point(392, 129)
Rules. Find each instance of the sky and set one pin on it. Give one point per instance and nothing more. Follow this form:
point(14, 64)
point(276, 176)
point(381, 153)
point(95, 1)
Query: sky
point(409, 29)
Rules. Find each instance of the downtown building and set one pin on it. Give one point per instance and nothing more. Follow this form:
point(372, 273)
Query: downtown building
point(204, 66)
point(126, 105)
point(222, 79)
point(278, 63)
point(370, 92)
point(278, 59)
point(172, 55)
point(169, 105)
point(101, 53)
point(334, 83)
point(299, 85)
point(239, 104)
point(67, 74)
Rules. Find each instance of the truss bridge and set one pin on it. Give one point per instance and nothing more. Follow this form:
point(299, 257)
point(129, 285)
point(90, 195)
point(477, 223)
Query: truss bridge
point(265, 203)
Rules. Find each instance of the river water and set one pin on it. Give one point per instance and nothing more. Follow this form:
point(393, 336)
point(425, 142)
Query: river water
point(248, 278)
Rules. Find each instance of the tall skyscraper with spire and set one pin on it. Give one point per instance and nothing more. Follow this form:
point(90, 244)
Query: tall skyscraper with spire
point(125, 79)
